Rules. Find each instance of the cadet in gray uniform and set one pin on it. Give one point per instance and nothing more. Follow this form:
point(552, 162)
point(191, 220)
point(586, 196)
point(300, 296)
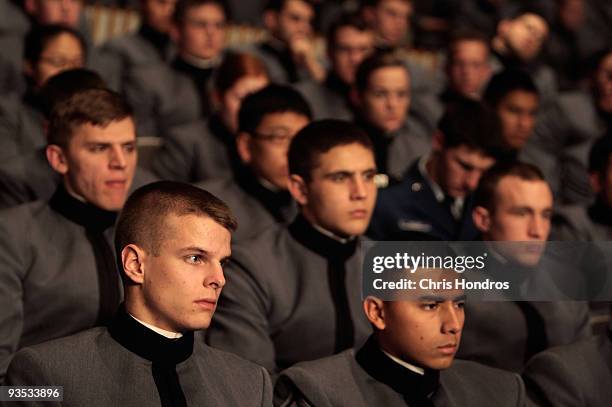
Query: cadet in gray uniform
point(257, 190)
point(28, 177)
point(206, 149)
point(407, 361)
point(578, 375)
point(57, 274)
point(593, 222)
point(293, 293)
point(165, 95)
point(349, 42)
point(49, 50)
point(513, 203)
point(150, 44)
point(382, 92)
point(172, 242)
point(566, 131)
point(289, 53)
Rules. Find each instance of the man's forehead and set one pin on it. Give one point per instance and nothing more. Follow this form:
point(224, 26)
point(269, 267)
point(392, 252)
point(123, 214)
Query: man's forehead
point(352, 157)
point(516, 191)
point(117, 131)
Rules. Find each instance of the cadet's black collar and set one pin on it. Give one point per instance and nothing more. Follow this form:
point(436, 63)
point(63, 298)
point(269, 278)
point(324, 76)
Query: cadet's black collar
point(160, 41)
point(415, 388)
point(333, 82)
point(147, 343)
point(82, 213)
point(279, 203)
point(308, 236)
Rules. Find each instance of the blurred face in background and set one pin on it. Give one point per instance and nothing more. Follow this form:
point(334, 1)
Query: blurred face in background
point(524, 35)
point(351, 46)
point(386, 100)
point(293, 22)
point(62, 12)
point(469, 69)
point(517, 112)
point(202, 33)
point(390, 19)
point(158, 14)
point(60, 54)
point(603, 84)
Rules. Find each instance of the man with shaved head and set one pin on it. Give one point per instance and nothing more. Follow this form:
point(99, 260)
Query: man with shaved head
point(172, 241)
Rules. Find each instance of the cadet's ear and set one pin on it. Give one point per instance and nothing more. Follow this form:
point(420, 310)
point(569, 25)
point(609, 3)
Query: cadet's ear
point(298, 189)
point(132, 259)
point(374, 309)
point(482, 218)
point(243, 145)
point(355, 97)
point(270, 20)
point(437, 141)
point(57, 159)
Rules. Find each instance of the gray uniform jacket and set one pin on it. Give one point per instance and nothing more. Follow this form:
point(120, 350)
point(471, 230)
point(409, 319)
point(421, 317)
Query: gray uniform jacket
point(161, 98)
point(340, 381)
point(325, 101)
point(197, 151)
point(48, 279)
point(277, 308)
point(576, 375)
point(573, 222)
point(499, 334)
point(97, 371)
point(21, 128)
point(249, 207)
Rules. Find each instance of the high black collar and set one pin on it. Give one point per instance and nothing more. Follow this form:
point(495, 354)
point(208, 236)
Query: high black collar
point(337, 85)
point(147, 343)
point(277, 203)
point(220, 131)
point(85, 214)
point(160, 41)
point(302, 231)
point(413, 386)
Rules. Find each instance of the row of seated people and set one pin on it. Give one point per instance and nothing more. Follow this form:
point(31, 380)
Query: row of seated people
point(292, 292)
point(195, 111)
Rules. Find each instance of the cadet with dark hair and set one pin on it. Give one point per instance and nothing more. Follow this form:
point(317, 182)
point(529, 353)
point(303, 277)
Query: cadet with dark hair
point(165, 95)
point(409, 360)
point(349, 42)
point(50, 248)
point(257, 189)
point(513, 203)
point(289, 53)
point(49, 50)
point(435, 196)
point(382, 97)
point(28, 177)
point(515, 99)
point(172, 242)
point(293, 292)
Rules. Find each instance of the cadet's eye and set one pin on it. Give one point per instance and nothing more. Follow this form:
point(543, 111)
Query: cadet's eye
point(460, 304)
point(193, 259)
point(429, 305)
point(338, 177)
point(224, 262)
point(97, 148)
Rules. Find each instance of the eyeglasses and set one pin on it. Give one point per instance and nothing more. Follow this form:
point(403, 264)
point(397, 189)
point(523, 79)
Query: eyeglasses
point(61, 62)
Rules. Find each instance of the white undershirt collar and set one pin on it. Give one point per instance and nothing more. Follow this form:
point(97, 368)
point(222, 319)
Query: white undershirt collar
point(162, 332)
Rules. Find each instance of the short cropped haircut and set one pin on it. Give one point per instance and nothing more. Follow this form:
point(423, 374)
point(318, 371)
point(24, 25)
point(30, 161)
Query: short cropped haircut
point(486, 192)
point(347, 20)
point(278, 5)
point(599, 156)
point(506, 82)
point(236, 66)
point(271, 99)
point(373, 63)
point(66, 83)
point(318, 138)
point(183, 6)
point(142, 220)
point(375, 3)
point(39, 37)
point(98, 107)
point(471, 124)
point(466, 35)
